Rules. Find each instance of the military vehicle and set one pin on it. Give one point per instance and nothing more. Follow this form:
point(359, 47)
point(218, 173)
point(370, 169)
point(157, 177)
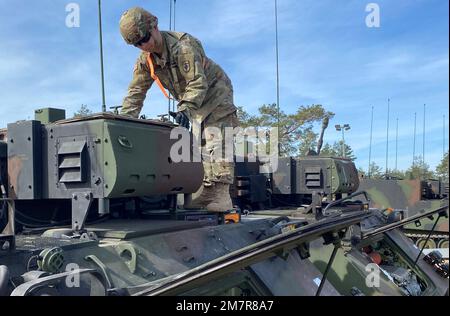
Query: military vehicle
point(89, 208)
point(313, 187)
point(413, 197)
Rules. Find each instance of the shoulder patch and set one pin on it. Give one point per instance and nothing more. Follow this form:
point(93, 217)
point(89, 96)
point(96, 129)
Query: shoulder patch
point(186, 66)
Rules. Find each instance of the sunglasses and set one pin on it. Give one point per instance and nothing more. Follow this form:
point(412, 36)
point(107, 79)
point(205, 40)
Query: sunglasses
point(143, 40)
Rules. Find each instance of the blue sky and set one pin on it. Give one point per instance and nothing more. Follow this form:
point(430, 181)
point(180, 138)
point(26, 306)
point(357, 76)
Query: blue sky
point(327, 56)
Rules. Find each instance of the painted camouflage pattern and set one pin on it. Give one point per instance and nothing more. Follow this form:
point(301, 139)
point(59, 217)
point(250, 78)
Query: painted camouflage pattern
point(116, 160)
point(411, 196)
point(137, 252)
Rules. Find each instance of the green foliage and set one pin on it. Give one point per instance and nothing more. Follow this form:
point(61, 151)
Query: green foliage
point(309, 141)
point(362, 173)
point(375, 172)
point(328, 151)
point(296, 135)
point(419, 170)
point(83, 111)
point(336, 151)
point(442, 168)
point(397, 174)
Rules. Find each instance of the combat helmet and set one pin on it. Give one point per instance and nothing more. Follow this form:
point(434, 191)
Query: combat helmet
point(135, 24)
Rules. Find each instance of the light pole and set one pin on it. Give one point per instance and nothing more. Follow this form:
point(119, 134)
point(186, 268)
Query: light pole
point(370, 146)
point(278, 74)
point(339, 128)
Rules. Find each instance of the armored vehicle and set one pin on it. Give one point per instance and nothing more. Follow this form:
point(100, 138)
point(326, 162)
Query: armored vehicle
point(321, 187)
point(94, 206)
point(413, 197)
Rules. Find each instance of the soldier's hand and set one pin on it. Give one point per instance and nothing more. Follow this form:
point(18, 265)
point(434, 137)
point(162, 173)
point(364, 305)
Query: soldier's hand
point(181, 118)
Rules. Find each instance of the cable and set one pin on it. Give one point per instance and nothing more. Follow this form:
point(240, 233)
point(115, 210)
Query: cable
point(17, 212)
point(50, 224)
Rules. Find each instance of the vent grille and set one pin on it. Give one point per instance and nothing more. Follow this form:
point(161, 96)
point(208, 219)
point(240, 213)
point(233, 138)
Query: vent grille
point(72, 161)
point(313, 177)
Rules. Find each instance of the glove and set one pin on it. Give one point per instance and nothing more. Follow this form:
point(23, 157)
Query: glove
point(181, 118)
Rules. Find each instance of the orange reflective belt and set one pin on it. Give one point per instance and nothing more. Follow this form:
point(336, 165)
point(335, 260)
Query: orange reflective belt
point(155, 77)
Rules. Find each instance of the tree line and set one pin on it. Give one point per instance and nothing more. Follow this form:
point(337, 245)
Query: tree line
point(418, 170)
point(297, 138)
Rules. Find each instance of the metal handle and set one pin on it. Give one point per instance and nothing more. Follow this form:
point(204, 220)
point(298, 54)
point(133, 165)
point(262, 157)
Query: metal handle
point(124, 142)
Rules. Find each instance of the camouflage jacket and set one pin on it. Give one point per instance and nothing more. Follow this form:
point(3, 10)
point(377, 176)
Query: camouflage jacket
point(194, 80)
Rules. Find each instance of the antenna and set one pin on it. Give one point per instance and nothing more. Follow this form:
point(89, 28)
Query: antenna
point(170, 15)
point(387, 138)
point(170, 29)
point(101, 54)
point(396, 145)
point(174, 21)
point(174, 13)
point(278, 73)
point(370, 146)
point(414, 145)
point(423, 143)
point(443, 138)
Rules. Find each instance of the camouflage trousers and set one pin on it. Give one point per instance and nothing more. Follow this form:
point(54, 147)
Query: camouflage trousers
point(218, 166)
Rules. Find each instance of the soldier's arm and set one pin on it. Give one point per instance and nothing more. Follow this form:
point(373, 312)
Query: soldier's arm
point(190, 61)
point(137, 90)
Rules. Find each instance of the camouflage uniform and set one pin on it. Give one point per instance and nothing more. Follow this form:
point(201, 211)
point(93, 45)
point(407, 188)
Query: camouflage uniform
point(201, 87)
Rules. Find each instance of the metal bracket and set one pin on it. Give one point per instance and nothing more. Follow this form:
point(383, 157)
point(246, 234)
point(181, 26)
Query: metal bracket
point(316, 205)
point(81, 202)
point(172, 206)
point(303, 251)
point(127, 251)
point(102, 267)
point(115, 109)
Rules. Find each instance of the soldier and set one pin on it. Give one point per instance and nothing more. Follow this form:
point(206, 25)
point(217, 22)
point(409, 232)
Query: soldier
point(177, 62)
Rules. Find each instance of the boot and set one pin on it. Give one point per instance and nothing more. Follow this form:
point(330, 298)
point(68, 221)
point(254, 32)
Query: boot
point(201, 198)
point(221, 201)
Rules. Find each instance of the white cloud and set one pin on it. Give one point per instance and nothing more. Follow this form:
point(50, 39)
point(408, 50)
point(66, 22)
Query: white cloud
point(409, 67)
